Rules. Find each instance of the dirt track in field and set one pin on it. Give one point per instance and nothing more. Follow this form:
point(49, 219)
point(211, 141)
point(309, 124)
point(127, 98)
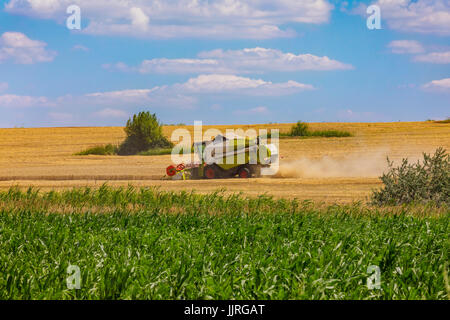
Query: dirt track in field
point(321, 169)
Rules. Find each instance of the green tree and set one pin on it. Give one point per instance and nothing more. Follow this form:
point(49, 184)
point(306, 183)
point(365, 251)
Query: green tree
point(144, 132)
point(300, 129)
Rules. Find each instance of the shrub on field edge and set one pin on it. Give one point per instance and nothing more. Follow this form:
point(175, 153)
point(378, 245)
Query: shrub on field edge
point(428, 181)
point(443, 121)
point(144, 132)
point(105, 150)
point(301, 129)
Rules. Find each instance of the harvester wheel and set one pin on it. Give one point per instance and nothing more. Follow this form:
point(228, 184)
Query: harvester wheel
point(244, 173)
point(210, 172)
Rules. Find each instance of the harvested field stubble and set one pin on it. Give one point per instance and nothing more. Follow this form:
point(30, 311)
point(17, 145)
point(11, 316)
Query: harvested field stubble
point(322, 169)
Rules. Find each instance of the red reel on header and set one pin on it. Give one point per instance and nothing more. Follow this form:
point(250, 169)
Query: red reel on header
point(171, 171)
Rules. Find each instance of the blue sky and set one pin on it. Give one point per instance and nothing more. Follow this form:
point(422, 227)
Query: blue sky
point(223, 61)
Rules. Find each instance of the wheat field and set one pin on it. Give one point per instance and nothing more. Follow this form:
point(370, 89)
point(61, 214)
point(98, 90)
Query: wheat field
point(332, 170)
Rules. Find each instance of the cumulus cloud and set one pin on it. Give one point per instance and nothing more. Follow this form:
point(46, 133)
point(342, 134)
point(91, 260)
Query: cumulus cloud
point(111, 113)
point(255, 59)
point(80, 47)
point(19, 48)
point(250, 60)
point(223, 83)
point(139, 19)
point(442, 85)
point(261, 110)
point(183, 95)
point(17, 101)
point(157, 96)
point(181, 66)
point(420, 16)
point(405, 46)
point(122, 95)
point(257, 19)
point(434, 57)
point(119, 66)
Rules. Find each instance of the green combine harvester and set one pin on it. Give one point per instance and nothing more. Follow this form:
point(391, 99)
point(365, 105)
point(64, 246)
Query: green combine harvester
point(226, 157)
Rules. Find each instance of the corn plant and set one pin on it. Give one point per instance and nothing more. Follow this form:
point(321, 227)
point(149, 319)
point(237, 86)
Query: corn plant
point(144, 243)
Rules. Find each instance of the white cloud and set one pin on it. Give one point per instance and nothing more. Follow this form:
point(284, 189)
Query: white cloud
point(123, 94)
point(261, 110)
point(222, 83)
point(120, 97)
point(61, 116)
point(352, 116)
point(434, 57)
point(18, 47)
point(3, 86)
point(157, 96)
point(139, 19)
point(111, 113)
point(184, 94)
point(258, 19)
point(80, 47)
point(119, 66)
point(421, 16)
point(442, 85)
point(164, 65)
point(254, 60)
point(178, 96)
point(405, 46)
point(16, 101)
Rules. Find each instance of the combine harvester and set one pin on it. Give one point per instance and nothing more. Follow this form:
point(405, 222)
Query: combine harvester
point(226, 157)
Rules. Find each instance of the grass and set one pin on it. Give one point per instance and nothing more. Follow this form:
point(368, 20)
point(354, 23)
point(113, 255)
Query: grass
point(159, 151)
point(329, 133)
point(312, 134)
point(148, 244)
point(105, 150)
point(109, 149)
point(301, 129)
point(443, 121)
point(156, 152)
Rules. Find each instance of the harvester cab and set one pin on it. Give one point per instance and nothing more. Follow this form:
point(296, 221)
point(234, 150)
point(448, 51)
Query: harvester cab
point(226, 157)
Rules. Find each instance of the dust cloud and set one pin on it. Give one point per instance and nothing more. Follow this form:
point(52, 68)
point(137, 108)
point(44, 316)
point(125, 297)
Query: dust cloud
point(352, 165)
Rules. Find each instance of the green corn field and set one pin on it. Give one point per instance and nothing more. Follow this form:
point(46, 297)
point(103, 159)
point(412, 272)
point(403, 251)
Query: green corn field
point(148, 244)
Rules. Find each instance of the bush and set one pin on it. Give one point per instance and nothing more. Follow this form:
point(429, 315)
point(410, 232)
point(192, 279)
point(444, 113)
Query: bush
point(420, 182)
point(105, 150)
point(156, 152)
point(329, 133)
point(161, 151)
point(443, 121)
point(299, 130)
point(144, 132)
